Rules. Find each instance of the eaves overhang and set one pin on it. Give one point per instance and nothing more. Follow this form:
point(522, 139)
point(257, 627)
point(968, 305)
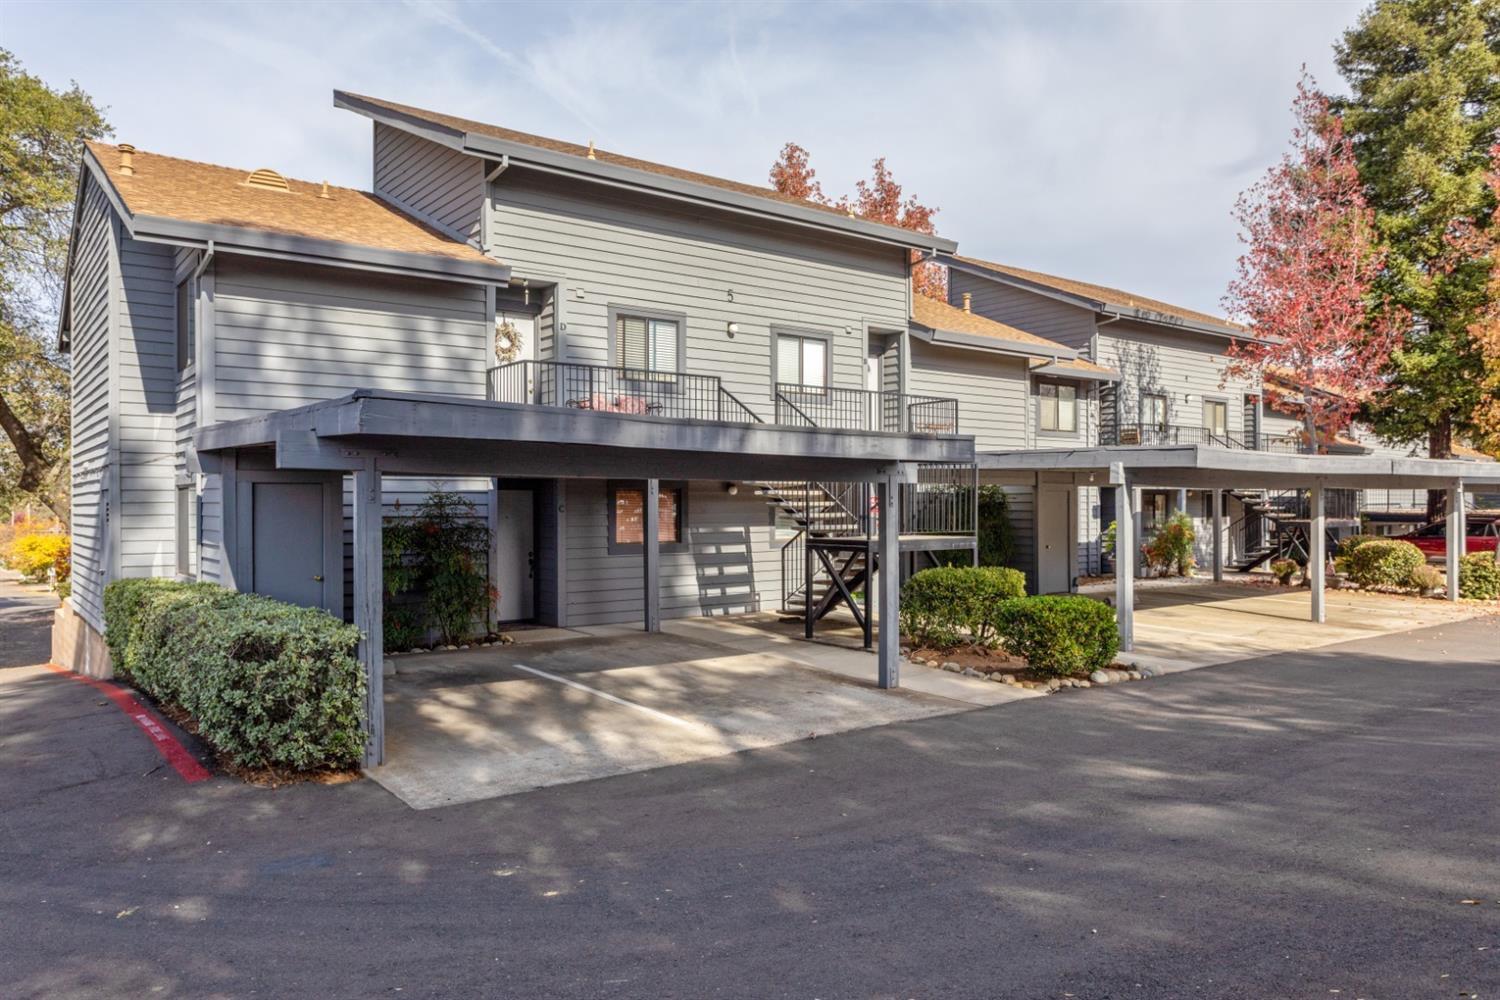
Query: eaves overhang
point(992, 345)
point(1110, 310)
point(523, 155)
point(288, 246)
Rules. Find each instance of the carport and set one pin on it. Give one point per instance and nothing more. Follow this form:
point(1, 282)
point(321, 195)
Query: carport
point(369, 433)
point(1129, 469)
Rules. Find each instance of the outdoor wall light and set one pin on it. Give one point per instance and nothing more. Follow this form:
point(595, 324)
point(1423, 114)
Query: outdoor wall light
point(732, 489)
point(733, 329)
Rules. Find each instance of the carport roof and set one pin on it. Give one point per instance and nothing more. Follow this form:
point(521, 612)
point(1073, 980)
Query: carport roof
point(424, 434)
point(1201, 467)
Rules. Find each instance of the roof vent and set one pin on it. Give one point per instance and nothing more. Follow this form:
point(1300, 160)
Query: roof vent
point(591, 150)
point(269, 179)
point(968, 297)
point(127, 159)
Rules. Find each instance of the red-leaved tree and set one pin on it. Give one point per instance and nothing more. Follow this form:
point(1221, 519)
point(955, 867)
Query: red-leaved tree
point(1305, 281)
point(879, 199)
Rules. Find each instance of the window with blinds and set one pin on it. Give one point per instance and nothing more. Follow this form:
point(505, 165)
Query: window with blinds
point(1216, 417)
point(644, 343)
point(801, 360)
point(628, 521)
point(1059, 407)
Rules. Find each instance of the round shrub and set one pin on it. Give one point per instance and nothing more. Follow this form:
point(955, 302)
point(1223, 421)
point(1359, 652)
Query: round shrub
point(1385, 563)
point(1060, 636)
point(951, 605)
point(1348, 545)
point(1479, 577)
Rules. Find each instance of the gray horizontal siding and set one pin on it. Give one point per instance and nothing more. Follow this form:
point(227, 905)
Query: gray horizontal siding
point(991, 391)
point(615, 249)
point(732, 564)
point(1184, 367)
point(1029, 311)
point(439, 185)
point(146, 396)
point(89, 306)
point(287, 336)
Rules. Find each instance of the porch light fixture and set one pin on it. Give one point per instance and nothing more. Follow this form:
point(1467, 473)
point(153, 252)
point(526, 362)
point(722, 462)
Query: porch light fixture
point(732, 489)
point(732, 329)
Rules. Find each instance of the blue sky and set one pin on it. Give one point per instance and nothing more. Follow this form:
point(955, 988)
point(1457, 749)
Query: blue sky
point(1100, 141)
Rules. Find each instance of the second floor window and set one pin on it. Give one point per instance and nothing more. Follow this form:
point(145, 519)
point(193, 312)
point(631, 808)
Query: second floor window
point(187, 334)
point(1059, 407)
point(1154, 409)
point(645, 343)
point(1216, 417)
point(801, 360)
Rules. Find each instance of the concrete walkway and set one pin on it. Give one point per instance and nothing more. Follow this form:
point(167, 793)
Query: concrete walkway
point(1186, 627)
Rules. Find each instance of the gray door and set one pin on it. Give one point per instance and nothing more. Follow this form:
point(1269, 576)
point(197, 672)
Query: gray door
point(1055, 513)
point(287, 542)
point(515, 556)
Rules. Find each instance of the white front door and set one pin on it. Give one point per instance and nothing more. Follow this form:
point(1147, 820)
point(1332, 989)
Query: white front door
point(1056, 515)
point(515, 556)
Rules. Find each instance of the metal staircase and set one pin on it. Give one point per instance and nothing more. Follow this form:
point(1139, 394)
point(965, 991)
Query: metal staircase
point(1278, 524)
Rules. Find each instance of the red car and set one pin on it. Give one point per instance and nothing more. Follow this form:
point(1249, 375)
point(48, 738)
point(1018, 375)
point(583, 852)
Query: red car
point(1483, 533)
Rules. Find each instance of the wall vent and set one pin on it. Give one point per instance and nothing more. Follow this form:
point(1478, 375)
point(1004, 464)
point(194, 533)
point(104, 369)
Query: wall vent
point(267, 178)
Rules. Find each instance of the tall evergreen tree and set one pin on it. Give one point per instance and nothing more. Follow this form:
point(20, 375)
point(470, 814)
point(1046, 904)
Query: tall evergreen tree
point(1424, 110)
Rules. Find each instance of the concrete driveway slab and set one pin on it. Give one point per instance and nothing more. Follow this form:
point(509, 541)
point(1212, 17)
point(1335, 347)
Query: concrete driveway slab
point(476, 724)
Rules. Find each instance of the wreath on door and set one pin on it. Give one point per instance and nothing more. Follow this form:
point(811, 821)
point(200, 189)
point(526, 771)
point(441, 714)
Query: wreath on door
point(507, 341)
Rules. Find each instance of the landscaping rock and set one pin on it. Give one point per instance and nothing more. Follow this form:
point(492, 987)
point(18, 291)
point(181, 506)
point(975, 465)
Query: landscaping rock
point(1135, 675)
point(1082, 684)
point(1054, 684)
point(998, 678)
point(971, 672)
point(1099, 677)
point(951, 667)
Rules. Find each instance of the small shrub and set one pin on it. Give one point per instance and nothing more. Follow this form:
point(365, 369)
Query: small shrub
point(1385, 563)
point(1284, 570)
point(1348, 545)
point(1170, 550)
point(1060, 636)
point(1425, 579)
point(437, 557)
point(268, 684)
point(402, 629)
point(952, 605)
point(1479, 577)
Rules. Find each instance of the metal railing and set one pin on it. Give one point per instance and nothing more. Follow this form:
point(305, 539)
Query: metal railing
point(631, 391)
point(943, 501)
point(864, 410)
point(1158, 435)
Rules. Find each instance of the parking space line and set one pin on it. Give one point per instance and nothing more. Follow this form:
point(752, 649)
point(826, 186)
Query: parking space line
point(674, 720)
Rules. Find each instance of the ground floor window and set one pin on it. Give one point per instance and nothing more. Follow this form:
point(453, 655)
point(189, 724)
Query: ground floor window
point(627, 516)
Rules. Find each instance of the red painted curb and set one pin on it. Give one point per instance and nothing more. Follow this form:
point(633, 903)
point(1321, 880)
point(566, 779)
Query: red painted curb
point(165, 743)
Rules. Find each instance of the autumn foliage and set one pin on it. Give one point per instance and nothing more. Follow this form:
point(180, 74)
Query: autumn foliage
point(1305, 282)
point(879, 199)
point(1472, 242)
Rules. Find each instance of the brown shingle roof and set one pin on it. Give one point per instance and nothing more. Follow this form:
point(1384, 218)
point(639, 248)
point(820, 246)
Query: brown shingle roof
point(1102, 294)
point(1082, 365)
point(936, 315)
point(468, 125)
point(189, 191)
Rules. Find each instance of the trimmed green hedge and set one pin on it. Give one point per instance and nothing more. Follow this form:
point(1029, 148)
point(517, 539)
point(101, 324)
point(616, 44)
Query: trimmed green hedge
point(1386, 563)
point(1479, 577)
point(268, 684)
point(949, 606)
point(1060, 636)
point(1348, 545)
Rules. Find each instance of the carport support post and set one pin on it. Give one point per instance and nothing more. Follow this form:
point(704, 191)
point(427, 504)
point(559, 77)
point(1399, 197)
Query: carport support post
point(1216, 497)
point(887, 497)
point(1457, 536)
point(651, 552)
point(1317, 556)
point(368, 601)
point(1125, 514)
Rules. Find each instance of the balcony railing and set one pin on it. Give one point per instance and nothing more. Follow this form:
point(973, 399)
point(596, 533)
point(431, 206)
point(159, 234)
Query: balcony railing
point(1159, 435)
point(864, 410)
point(634, 391)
